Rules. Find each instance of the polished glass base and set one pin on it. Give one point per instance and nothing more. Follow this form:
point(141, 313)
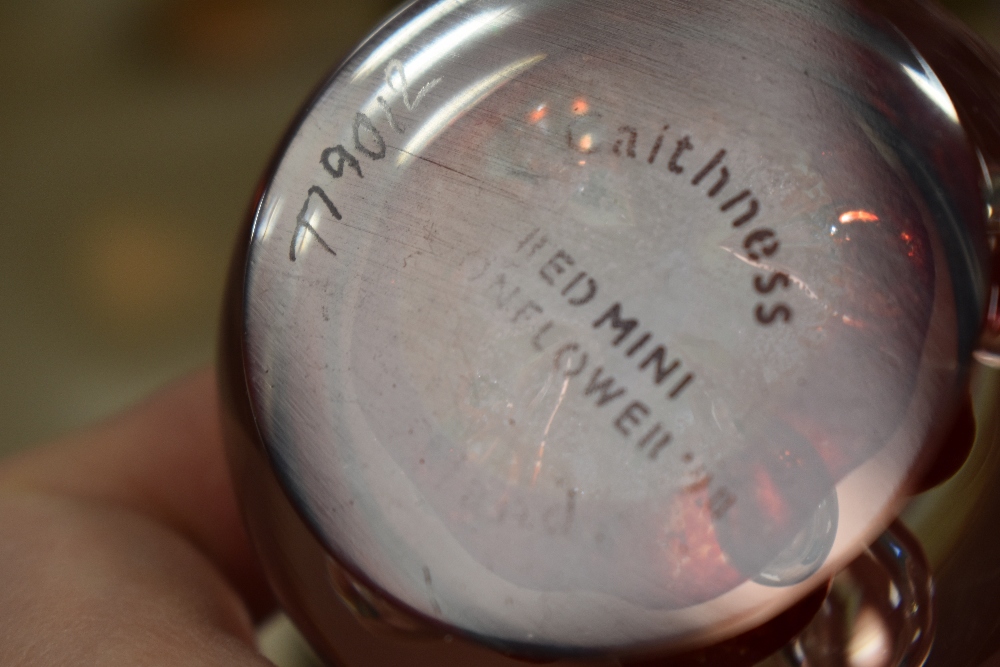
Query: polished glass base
point(589, 331)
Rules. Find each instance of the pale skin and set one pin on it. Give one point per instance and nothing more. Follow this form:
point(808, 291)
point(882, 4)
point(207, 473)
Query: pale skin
point(123, 545)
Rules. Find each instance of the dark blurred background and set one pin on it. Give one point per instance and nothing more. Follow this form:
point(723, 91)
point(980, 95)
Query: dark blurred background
point(132, 134)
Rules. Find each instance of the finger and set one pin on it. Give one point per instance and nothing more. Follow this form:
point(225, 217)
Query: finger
point(90, 583)
point(163, 459)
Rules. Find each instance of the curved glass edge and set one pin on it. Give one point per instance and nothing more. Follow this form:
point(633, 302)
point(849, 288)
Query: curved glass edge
point(261, 197)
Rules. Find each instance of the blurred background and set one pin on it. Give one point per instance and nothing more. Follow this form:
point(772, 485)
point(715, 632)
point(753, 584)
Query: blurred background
point(132, 135)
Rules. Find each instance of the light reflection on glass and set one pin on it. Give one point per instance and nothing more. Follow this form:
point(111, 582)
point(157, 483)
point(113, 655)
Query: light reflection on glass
point(857, 216)
point(930, 85)
point(445, 45)
point(303, 239)
point(261, 231)
point(538, 114)
point(870, 643)
point(462, 102)
point(895, 598)
point(404, 35)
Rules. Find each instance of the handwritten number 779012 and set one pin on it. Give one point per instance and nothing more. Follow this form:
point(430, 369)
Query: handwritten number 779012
point(368, 143)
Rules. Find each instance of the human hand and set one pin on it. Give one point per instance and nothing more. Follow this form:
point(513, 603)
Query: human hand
point(123, 545)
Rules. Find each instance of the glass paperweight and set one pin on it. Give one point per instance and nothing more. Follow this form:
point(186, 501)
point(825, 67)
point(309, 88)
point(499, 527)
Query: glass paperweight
point(601, 331)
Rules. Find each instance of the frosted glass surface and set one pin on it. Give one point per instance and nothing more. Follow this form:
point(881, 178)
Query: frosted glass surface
point(586, 325)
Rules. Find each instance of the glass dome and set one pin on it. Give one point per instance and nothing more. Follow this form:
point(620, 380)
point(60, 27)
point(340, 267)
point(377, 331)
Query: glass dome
point(577, 326)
